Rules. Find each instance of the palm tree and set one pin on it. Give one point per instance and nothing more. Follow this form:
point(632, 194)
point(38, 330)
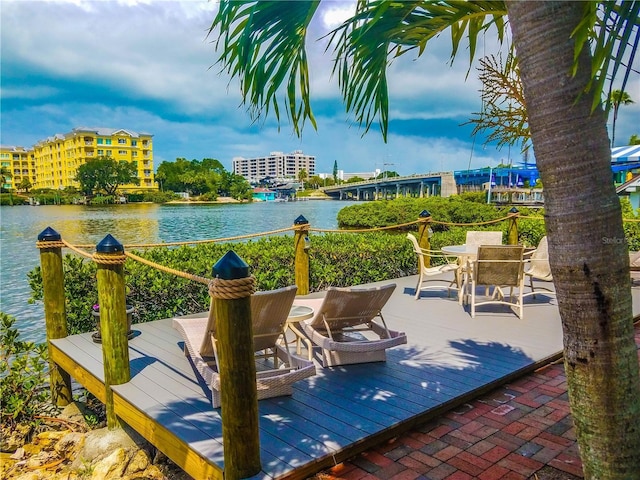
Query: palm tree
point(263, 45)
point(617, 98)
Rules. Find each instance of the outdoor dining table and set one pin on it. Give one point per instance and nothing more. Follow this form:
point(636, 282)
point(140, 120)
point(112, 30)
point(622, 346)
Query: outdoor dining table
point(465, 253)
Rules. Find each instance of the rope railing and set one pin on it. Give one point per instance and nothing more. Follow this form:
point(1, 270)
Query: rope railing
point(360, 230)
point(173, 271)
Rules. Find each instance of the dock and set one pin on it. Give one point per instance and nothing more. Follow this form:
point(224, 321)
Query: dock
point(449, 359)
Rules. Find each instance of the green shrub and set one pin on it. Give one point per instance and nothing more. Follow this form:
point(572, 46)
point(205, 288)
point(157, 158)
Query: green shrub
point(335, 259)
point(23, 377)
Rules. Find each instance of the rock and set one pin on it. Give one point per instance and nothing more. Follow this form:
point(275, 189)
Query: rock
point(12, 439)
point(69, 444)
point(110, 467)
point(100, 443)
point(40, 459)
point(138, 463)
point(47, 440)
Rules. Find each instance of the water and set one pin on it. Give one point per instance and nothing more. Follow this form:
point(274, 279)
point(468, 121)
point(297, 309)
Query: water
point(130, 224)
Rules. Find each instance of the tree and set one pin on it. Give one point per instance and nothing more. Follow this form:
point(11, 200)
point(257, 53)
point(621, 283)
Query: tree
point(107, 174)
point(5, 173)
point(504, 114)
point(25, 184)
point(264, 46)
point(617, 98)
point(302, 175)
point(335, 172)
point(634, 139)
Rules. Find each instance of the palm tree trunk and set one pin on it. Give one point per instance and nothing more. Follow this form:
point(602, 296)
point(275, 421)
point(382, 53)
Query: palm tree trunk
point(587, 247)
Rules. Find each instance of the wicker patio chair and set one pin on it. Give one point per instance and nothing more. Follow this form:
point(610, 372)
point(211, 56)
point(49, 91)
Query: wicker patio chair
point(344, 326)
point(276, 367)
point(538, 267)
point(450, 265)
point(499, 266)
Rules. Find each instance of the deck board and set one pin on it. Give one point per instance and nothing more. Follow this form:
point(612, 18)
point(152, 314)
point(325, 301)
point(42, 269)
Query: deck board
point(340, 411)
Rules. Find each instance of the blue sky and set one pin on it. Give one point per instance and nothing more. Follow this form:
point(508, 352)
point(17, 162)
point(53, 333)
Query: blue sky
point(148, 66)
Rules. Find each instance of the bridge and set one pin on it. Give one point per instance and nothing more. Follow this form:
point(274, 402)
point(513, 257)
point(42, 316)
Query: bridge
point(418, 185)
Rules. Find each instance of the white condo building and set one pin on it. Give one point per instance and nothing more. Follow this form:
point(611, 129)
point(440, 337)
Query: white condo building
point(276, 165)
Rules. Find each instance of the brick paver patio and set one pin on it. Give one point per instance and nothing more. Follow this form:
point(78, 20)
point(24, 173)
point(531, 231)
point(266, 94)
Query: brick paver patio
point(522, 430)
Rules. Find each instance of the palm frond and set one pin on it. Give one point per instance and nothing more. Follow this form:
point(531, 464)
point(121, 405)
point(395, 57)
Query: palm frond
point(263, 44)
point(380, 31)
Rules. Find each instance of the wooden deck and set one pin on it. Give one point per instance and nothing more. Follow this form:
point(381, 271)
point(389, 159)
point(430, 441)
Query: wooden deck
point(450, 358)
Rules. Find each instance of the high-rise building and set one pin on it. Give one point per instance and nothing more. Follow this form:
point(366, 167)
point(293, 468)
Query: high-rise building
point(19, 163)
point(277, 166)
point(58, 158)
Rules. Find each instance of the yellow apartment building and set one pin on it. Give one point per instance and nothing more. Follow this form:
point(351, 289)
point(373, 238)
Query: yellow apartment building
point(58, 158)
point(19, 162)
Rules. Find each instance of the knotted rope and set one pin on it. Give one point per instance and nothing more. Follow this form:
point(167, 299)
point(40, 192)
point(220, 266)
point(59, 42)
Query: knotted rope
point(50, 244)
point(232, 289)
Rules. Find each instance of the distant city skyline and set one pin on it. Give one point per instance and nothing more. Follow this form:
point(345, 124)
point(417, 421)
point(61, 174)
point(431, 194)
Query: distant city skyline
point(148, 66)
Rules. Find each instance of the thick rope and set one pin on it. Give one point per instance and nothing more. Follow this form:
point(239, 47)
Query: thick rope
point(109, 258)
point(373, 229)
point(197, 242)
point(488, 222)
point(76, 249)
point(232, 289)
point(173, 271)
point(50, 244)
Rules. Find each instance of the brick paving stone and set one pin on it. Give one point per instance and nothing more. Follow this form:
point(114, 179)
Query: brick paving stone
point(556, 439)
point(528, 433)
point(495, 472)
point(390, 471)
point(496, 453)
point(413, 464)
point(560, 428)
point(433, 447)
point(447, 452)
point(529, 449)
point(362, 463)
point(474, 460)
point(519, 464)
point(574, 468)
point(514, 428)
point(546, 454)
point(465, 466)
point(480, 448)
point(467, 437)
point(399, 452)
point(459, 476)
point(377, 458)
point(406, 475)
point(412, 442)
point(440, 430)
point(426, 459)
point(506, 440)
point(441, 471)
point(514, 476)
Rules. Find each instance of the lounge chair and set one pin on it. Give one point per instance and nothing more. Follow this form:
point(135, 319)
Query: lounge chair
point(276, 368)
point(450, 265)
point(499, 266)
point(344, 325)
point(538, 267)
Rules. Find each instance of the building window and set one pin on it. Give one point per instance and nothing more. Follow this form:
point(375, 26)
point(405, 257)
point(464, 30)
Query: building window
point(122, 152)
point(109, 153)
point(100, 141)
point(108, 141)
point(122, 141)
point(134, 154)
point(101, 152)
point(134, 143)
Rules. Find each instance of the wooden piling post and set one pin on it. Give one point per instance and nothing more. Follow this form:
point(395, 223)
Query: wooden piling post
point(424, 233)
point(231, 292)
point(55, 313)
point(512, 228)
point(114, 326)
point(301, 246)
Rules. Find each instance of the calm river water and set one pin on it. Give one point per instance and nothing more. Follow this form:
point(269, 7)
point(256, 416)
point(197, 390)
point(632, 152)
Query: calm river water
point(133, 223)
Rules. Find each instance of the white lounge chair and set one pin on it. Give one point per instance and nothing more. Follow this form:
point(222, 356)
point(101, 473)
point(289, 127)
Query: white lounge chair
point(344, 325)
point(450, 265)
point(276, 367)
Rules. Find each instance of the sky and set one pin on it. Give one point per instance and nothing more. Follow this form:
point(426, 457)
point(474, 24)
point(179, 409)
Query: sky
point(149, 66)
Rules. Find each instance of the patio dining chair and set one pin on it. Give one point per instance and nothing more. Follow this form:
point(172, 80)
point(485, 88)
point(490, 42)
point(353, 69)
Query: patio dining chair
point(501, 267)
point(348, 325)
point(276, 367)
point(450, 264)
point(537, 267)
point(476, 238)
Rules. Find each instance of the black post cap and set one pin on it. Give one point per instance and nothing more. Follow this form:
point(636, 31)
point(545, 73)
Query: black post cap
point(513, 210)
point(230, 267)
point(49, 235)
point(424, 214)
point(300, 221)
point(109, 245)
